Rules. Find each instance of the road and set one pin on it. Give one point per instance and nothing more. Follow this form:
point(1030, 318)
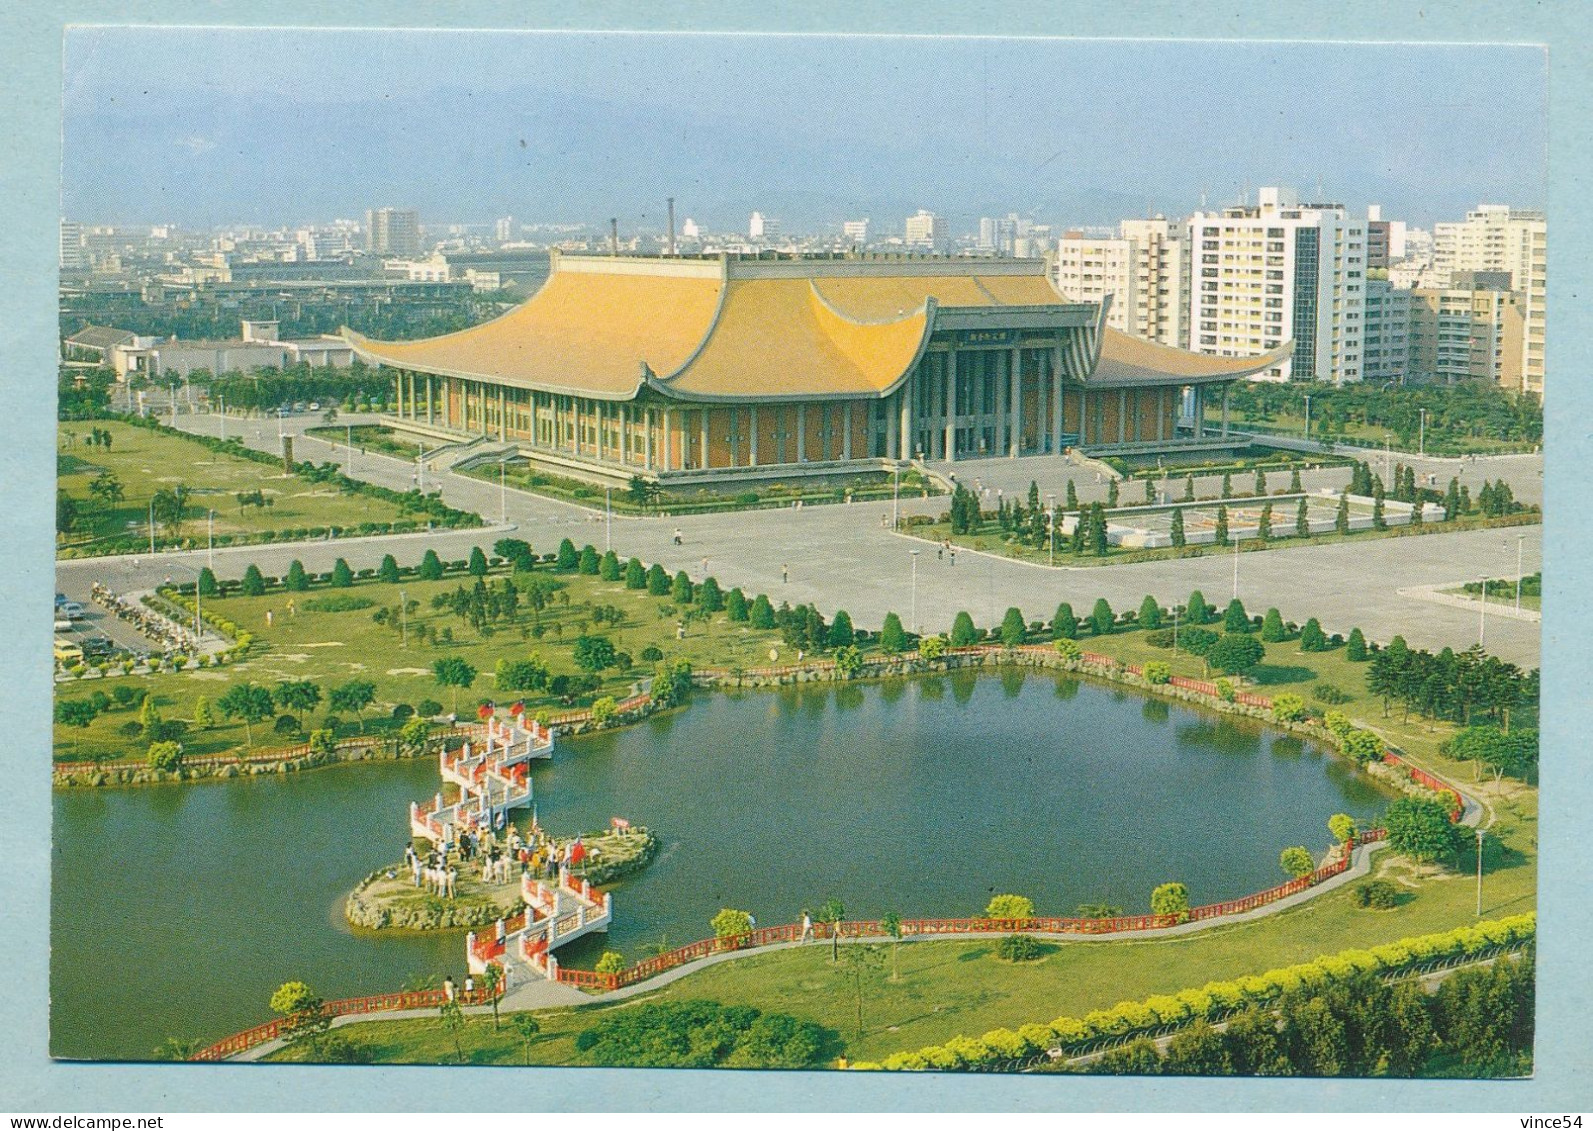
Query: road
point(842, 557)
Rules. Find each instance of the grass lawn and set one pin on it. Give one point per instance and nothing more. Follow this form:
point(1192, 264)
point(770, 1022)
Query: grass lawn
point(145, 461)
point(1372, 435)
point(330, 648)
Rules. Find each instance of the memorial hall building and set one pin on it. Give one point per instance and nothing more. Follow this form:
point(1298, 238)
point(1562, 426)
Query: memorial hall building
point(726, 368)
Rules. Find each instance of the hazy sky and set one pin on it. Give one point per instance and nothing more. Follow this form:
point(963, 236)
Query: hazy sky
point(201, 126)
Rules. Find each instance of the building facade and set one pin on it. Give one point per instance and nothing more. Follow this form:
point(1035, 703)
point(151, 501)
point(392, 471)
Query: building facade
point(1385, 348)
point(1496, 237)
point(1278, 271)
point(754, 367)
point(1144, 270)
point(925, 229)
point(1464, 332)
point(392, 231)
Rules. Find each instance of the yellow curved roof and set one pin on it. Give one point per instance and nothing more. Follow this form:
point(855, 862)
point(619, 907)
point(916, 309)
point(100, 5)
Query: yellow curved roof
point(875, 298)
point(1128, 359)
point(584, 332)
point(777, 338)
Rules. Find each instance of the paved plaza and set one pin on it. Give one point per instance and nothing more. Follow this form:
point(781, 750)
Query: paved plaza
point(841, 556)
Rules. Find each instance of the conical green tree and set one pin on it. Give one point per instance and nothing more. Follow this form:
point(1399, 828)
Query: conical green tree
point(1177, 527)
point(1235, 619)
point(1064, 625)
point(296, 581)
point(1272, 627)
point(589, 562)
point(892, 639)
point(1102, 619)
point(1221, 527)
point(1302, 520)
point(342, 576)
point(657, 581)
point(1013, 628)
point(1355, 647)
point(762, 613)
point(431, 567)
point(635, 574)
point(1150, 613)
point(253, 582)
point(1264, 523)
point(478, 562)
point(736, 607)
point(609, 568)
point(963, 632)
point(1341, 521)
point(709, 595)
point(388, 571)
point(568, 558)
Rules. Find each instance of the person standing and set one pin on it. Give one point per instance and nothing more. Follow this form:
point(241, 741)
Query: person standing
point(807, 926)
point(448, 987)
point(785, 574)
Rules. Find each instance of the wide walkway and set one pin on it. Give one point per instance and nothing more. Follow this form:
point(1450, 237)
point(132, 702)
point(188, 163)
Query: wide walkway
point(841, 557)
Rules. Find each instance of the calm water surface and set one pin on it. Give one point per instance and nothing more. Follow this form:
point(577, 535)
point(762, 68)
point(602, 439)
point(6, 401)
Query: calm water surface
point(177, 911)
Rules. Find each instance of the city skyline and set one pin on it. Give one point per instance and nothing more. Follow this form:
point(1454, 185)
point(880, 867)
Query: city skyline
point(611, 125)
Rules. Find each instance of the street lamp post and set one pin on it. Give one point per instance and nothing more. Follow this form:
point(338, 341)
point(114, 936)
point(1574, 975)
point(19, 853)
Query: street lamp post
point(1479, 873)
point(914, 613)
point(1050, 533)
point(1520, 540)
point(896, 497)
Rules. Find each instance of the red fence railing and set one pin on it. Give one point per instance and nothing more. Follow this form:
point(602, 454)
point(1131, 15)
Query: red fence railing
point(269, 757)
point(344, 1007)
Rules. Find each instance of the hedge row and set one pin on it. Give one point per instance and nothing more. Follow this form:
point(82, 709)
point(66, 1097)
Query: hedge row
point(1210, 1002)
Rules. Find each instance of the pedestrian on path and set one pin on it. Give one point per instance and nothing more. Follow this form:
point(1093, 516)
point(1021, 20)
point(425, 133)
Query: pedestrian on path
point(448, 987)
point(785, 574)
point(678, 541)
point(807, 926)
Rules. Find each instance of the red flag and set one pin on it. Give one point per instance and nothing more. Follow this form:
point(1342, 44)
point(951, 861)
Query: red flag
point(577, 852)
point(517, 709)
point(484, 711)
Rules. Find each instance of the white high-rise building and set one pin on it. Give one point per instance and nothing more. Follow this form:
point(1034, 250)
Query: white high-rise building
point(1496, 237)
point(1145, 270)
point(761, 227)
point(503, 230)
point(1385, 344)
point(855, 231)
point(72, 246)
point(925, 229)
point(392, 231)
point(1276, 271)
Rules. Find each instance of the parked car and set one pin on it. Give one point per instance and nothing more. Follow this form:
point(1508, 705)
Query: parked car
point(62, 624)
point(66, 652)
point(60, 599)
point(71, 610)
point(98, 647)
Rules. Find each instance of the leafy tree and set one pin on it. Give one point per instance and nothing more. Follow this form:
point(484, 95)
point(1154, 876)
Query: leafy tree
point(848, 661)
point(452, 1019)
point(1064, 625)
point(1288, 707)
point(831, 912)
point(593, 653)
point(517, 552)
point(1363, 746)
point(297, 695)
point(527, 1026)
point(892, 638)
point(492, 985)
point(1264, 523)
point(1171, 899)
point(478, 562)
point(672, 682)
point(1009, 907)
point(203, 719)
point(1177, 530)
point(1071, 501)
point(1235, 653)
point(1296, 861)
point(431, 567)
point(1342, 826)
point(1312, 638)
point(1198, 611)
point(842, 634)
point(762, 614)
point(1341, 520)
point(1102, 618)
point(1420, 828)
point(207, 586)
point(249, 703)
point(529, 674)
point(658, 582)
point(1273, 630)
point(890, 924)
point(1013, 628)
point(736, 607)
point(1235, 619)
point(680, 589)
point(165, 756)
point(1261, 482)
point(1150, 613)
point(611, 962)
point(1189, 488)
point(861, 962)
point(1302, 519)
point(75, 712)
point(1097, 534)
point(1220, 529)
point(963, 632)
point(589, 563)
point(454, 672)
point(1227, 485)
point(305, 1014)
point(635, 574)
point(253, 582)
point(609, 568)
point(342, 576)
point(730, 923)
point(568, 559)
point(1355, 647)
point(931, 647)
point(177, 1049)
point(296, 580)
point(356, 695)
point(1111, 493)
point(413, 737)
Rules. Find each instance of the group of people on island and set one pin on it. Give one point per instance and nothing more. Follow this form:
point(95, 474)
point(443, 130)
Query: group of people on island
point(494, 855)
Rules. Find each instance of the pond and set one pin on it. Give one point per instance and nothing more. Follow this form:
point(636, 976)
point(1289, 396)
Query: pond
point(176, 911)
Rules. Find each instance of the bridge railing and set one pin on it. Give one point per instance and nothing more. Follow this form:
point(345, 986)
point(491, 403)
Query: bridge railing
point(343, 1007)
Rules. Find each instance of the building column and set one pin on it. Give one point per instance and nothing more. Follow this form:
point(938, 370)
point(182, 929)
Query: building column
point(702, 461)
point(846, 436)
point(1015, 396)
point(752, 449)
point(1161, 413)
point(904, 432)
point(1200, 413)
point(1225, 412)
point(949, 384)
point(892, 444)
point(1056, 400)
point(503, 415)
point(431, 399)
point(802, 431)
point(668, 466)
point(1122, 416)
